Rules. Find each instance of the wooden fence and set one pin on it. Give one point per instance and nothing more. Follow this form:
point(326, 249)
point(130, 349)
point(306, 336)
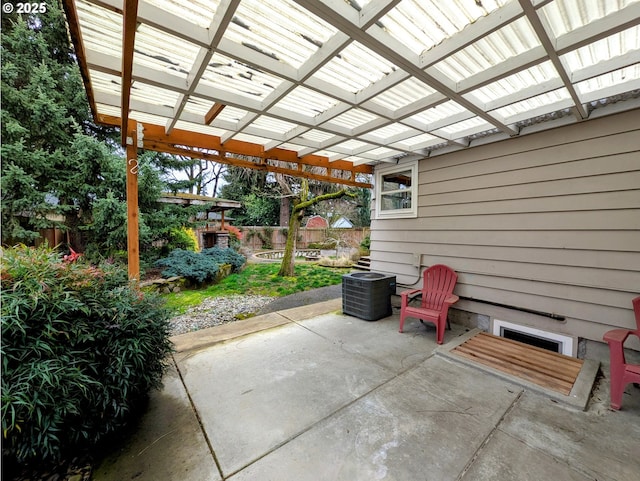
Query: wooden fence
point(257, 238)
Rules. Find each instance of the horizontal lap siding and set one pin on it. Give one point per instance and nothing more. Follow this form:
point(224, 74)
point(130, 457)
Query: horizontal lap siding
point(549, 222)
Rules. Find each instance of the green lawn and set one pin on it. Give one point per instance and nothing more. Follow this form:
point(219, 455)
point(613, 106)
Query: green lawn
point(259, 279)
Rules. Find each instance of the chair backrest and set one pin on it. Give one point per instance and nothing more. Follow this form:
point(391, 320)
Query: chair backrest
point(636, 311)
point(439, 281)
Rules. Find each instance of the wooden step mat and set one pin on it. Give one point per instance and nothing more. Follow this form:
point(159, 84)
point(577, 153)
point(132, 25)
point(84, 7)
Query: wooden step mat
point(539, 366)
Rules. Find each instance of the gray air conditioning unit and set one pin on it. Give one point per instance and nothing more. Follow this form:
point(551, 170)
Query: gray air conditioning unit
point(367, 295)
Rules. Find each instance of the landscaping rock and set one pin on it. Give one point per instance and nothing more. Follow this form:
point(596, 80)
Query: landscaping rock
point(218, 310)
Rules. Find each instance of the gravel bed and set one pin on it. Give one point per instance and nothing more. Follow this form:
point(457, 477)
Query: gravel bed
point(218, 310)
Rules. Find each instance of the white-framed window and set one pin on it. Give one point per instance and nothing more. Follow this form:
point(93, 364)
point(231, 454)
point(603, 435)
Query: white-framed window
point(396, 190)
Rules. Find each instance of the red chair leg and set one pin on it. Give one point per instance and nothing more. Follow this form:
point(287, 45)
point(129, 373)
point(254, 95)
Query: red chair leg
point(401, 322)
point(617, 385)
point(440, 325)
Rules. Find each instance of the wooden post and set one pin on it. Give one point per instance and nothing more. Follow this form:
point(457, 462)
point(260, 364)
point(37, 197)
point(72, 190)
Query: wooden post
point(133, 242)
point(221, 220)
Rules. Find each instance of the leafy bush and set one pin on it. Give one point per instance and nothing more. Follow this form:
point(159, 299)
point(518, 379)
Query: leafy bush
point(199, 267)
point(366, 243)
point(226, 256)
point(182, 238)
point(188, 264)
point(81, 349)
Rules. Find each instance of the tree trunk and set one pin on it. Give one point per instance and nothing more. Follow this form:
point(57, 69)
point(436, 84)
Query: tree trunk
point(287, 268)
point(285, 208)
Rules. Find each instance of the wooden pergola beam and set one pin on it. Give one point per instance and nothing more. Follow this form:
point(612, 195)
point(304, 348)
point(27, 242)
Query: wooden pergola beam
point(213, 112)
point(209, 147)
point(133, 237)
point(130, 16)
point(73, 22)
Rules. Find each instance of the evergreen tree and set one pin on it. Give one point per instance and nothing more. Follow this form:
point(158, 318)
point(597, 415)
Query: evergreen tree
point(58, 168)
point(53, 165)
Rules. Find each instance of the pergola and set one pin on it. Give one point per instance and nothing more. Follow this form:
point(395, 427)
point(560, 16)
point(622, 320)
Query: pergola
point(326, 89)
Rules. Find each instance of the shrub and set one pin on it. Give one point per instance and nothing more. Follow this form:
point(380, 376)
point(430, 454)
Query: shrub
point(226, 256)
point(182, 238)
point(81, 349)
point(199, 267)
point(235, 236)
point(191, 265)
point(339, 262)
point(366, 243)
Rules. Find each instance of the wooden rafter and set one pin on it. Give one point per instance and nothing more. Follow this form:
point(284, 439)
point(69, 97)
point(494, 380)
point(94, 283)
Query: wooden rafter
point(129, 21)
point(231, 152)
point(213, 112)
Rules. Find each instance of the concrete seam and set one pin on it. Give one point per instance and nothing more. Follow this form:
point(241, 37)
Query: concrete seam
point(484, 443)
point(195, 411)
point(319, 421)
point(369, 359)
point(576, 469)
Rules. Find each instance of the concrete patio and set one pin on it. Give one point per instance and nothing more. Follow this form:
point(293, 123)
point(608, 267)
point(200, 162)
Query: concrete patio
point(311, 394)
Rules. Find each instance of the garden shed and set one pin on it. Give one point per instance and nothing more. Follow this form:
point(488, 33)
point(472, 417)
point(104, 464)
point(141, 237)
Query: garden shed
point(501, 137)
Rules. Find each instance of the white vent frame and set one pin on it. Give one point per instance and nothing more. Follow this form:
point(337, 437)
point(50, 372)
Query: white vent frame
point(569, 345)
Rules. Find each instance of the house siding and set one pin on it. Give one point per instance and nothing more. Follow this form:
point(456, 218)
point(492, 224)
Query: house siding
point(547, 222)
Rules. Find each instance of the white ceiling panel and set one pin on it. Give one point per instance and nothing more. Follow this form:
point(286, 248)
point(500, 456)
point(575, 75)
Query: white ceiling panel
point(371, 80)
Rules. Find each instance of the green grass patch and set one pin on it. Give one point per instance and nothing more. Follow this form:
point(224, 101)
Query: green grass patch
point(259, 279)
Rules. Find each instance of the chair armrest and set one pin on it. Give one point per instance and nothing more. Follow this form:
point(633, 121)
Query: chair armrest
point(406, 295)
point(451, 299)
point(619, 335)
point(410, 293)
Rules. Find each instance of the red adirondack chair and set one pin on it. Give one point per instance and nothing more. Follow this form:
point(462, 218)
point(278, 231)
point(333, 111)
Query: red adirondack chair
point(437, 296)
point(621, 372)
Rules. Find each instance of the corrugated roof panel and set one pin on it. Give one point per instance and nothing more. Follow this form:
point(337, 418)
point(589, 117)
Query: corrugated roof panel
point(101, 29)
point(422, 24)
point(329, 153)
point(614, 79)
point(198, 106)
point(316, 135)
point(279, 127)
point(405, 93)
point(355, 68)
point(198, 12)
point(279, 29)
point(105, 109)
point(419, 141)
point(605, 49)
point(356, 159)
point(153, 95)
point(384, 153)
point(104, 82)
point(391, 130)
point(513, 39)
point(473, 123)
point(292, 146)
point(439, 112)
point(515, 83)
point(551, 100)
point(306, 102)
point(263, 30)
point(239, 78)
point(147, 118)
point(162, 51)
point(563, 16)
point(350, 145)
point(353, 118)
point(230, 114)
point(202, 129)
point(254, 139)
